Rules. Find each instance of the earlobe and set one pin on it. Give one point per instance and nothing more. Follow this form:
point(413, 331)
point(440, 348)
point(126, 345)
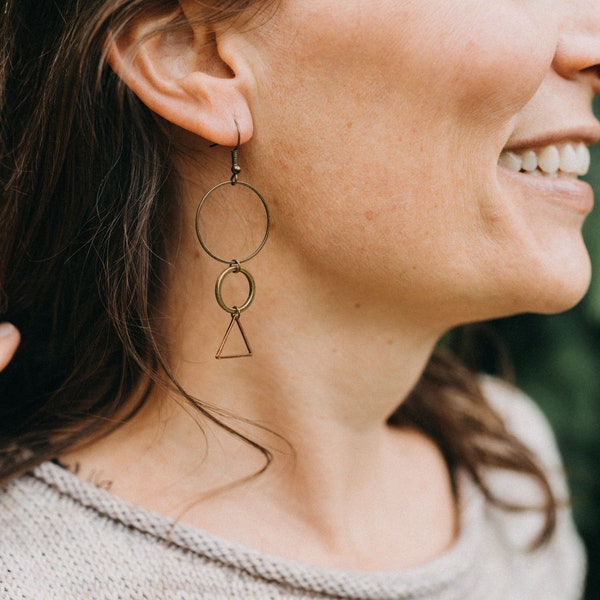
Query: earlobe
point(179, 74)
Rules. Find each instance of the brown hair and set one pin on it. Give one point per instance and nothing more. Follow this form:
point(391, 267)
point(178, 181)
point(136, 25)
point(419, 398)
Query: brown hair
point(84, 174)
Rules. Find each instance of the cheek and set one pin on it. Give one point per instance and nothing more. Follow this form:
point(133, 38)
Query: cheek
point(408, 104)
point(421, 69)
point(489, 66)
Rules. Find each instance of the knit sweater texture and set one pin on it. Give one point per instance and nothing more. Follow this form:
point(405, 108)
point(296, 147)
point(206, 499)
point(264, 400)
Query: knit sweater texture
point(62, 538)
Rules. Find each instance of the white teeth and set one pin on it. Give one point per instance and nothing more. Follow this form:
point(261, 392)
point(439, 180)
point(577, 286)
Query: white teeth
point(512, 161)
point(583, 159)
point(529, 160)
point(570, 158)
point(549, 159)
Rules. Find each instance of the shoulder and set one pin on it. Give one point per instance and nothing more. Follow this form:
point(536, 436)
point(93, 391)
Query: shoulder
point(559, 565)
point(63, 537)
point(523, 418)
point(52, 543)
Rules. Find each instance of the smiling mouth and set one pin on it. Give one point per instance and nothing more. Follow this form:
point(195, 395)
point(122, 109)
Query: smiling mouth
point(568, 159)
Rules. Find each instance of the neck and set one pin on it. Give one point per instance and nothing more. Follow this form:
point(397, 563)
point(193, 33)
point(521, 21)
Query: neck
point(317, 360)
point(327, 372)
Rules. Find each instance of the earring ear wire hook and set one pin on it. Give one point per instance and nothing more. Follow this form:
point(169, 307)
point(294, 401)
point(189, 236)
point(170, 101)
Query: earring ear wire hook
point(239, 135)
point(235, 167)
point(234, 266)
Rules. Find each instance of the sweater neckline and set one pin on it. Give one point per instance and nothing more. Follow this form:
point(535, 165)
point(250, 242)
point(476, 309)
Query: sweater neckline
point(453, 569)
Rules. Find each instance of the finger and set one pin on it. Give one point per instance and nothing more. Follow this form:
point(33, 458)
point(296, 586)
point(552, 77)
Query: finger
point(9, 340)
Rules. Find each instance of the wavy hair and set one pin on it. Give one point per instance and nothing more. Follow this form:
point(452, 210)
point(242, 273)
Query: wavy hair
point(85, 173)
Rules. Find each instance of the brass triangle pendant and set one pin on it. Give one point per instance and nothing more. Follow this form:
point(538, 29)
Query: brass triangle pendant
point(235, 320)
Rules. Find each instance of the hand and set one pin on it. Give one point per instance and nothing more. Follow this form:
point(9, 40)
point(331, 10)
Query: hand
point(9, 340)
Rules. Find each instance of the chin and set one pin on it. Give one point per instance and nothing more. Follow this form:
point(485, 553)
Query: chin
point(559, 290)
point(561, 302)
point(548, 286)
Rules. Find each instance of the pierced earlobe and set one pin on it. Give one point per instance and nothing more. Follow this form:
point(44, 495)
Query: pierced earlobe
point(180, 78)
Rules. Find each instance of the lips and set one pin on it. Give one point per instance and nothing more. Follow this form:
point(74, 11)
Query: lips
point(570, 158)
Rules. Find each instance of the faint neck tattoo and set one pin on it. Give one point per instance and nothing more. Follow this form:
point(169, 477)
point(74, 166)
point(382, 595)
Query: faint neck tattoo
point(95, 476)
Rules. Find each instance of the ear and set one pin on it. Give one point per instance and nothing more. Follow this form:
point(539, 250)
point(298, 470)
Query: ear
point(190, 75)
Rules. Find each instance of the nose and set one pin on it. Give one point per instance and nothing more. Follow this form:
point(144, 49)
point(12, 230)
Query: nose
point(578, 51)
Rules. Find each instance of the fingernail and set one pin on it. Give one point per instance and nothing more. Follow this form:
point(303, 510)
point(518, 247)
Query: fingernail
point(6, 329)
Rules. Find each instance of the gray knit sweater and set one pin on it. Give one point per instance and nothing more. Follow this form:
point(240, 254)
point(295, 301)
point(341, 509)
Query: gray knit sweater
point(62, 538)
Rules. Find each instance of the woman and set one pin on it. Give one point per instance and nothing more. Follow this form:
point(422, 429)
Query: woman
point(412, 168)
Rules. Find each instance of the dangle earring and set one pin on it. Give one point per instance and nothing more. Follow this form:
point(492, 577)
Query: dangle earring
point(234, 264)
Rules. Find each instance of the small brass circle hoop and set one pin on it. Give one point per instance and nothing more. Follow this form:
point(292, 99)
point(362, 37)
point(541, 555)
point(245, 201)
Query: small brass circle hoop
point(199, 210)
point(232, 310)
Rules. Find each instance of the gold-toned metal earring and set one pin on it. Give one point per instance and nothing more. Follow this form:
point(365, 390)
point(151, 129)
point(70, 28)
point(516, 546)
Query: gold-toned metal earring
point(234, 264)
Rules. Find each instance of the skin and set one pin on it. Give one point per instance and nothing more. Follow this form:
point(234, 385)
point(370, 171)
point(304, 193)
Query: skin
point(374, 131)
point(9, 340)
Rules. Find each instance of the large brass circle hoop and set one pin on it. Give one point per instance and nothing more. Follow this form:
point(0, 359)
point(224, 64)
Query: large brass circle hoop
point(199, 234)
point(232, 310)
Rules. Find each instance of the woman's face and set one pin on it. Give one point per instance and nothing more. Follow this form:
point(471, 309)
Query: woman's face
point(381, 125)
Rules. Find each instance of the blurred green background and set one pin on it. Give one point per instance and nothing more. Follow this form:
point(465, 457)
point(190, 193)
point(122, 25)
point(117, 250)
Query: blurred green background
point(556, 359)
